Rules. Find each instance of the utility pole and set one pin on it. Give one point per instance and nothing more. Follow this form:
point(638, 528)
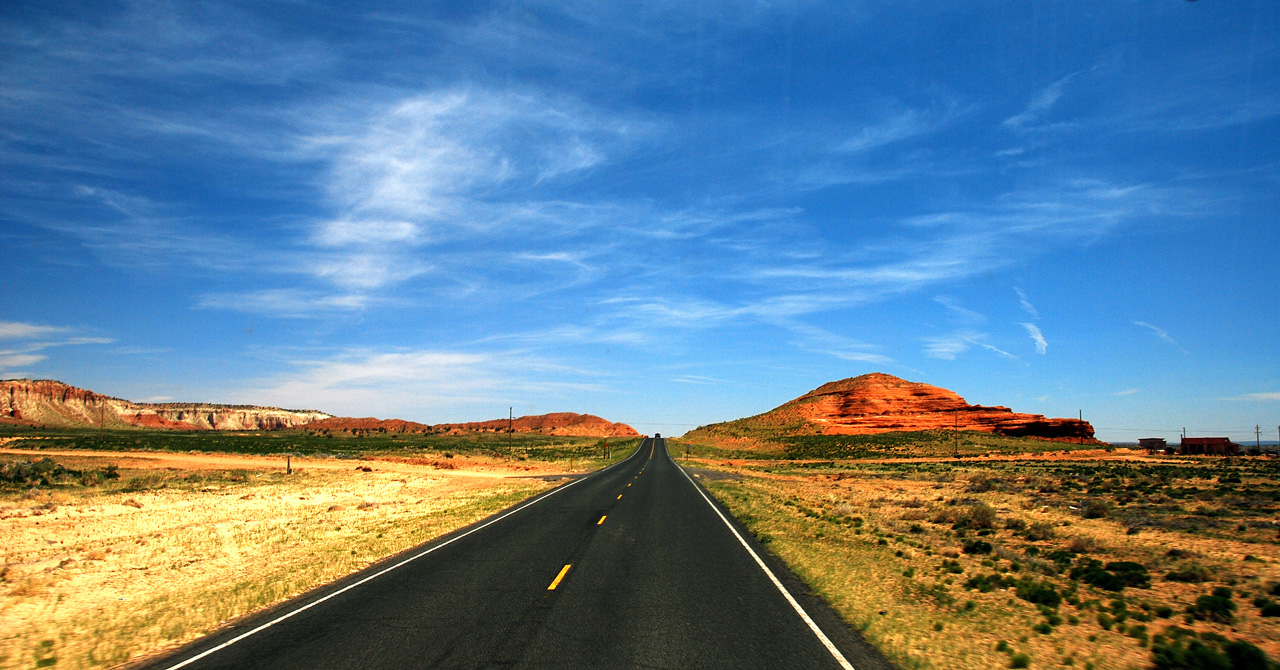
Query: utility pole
point(511, 419)
point(1081, 426)
point(1257, 438)
point(955, 431)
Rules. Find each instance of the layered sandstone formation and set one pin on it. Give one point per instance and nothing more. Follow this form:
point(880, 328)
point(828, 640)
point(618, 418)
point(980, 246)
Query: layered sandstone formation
point(52, 403)
point(880, 403)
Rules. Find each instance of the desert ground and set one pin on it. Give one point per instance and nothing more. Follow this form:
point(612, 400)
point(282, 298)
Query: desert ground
point(1089, 558)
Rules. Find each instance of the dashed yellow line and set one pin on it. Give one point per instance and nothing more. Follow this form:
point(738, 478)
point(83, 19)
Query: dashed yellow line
point(619, 496)
point(556, 581)
point(601, 520)
point(628, 483)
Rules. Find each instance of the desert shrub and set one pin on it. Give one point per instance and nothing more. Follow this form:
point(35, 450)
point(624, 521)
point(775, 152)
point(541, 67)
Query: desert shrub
point(1180, 649)
point(1019, 660)
point(977, 547)
point(1015, 524)
point(1217, 606)
point(978, 517)
point(1039, 593)
point(1061, 557)
point(1190, 572)
point(1092, 572)
point(1095, 509)
point(989, 583)
point(1132, 574)
point(1105, 620)
point(1269, 609)
point(983, 485)
point(1081, 545)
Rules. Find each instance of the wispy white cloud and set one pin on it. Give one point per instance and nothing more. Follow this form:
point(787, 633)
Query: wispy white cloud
point(1037, 337)
point(1039, 105)
point(949, 346)
point(958, 311)
point(13, 359)
point(426, 385)
point(946, 347)
point(1162, 334)
point(30, 339)
point(22, 331)
point(699, 379)
point(288, 302)
point(901, 125)
point(1026, 304)
point(996, 350)
point(1130, 391)
point(1266, 396)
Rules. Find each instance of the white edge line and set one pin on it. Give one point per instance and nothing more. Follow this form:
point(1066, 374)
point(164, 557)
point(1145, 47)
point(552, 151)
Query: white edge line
point(384, 571)
point(822, 637)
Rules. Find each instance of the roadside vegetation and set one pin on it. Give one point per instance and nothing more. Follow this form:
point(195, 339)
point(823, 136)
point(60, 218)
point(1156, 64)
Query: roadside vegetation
point(575, 451)
point(1074, 561)
point(730, 440)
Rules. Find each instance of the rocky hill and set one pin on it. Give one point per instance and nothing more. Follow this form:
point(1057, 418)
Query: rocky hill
point(881, 403)
point(52, 403)
point(556, 423)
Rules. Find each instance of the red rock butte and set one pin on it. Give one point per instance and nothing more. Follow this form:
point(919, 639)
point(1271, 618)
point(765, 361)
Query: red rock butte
point(555, 423)
point(881, 403)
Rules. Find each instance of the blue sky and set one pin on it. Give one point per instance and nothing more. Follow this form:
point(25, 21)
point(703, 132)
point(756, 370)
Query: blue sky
point(667, 214)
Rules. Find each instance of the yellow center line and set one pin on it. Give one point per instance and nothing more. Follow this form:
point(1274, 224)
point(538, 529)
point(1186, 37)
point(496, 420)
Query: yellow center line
point(619, 496)
point(628, 483)
point(601, 520)
point(560, 576)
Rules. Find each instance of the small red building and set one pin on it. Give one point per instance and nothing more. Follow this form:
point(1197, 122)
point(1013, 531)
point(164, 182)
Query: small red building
point(1211, 446)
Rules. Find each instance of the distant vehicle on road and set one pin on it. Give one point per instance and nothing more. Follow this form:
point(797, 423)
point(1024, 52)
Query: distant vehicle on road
point(657, 435)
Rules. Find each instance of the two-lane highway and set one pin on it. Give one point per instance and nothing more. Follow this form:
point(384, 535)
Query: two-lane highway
point(632, 566)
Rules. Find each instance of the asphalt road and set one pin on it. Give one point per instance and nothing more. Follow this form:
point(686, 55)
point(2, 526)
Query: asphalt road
point(630, 567)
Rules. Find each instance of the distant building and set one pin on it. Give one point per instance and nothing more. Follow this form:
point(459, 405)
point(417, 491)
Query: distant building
point(1152, 444)
point(1211, 446)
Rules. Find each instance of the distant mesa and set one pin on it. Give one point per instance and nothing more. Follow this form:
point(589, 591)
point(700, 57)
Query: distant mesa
point(881, 403)
point(53, 403)
point(44, 402)
point(557, 423)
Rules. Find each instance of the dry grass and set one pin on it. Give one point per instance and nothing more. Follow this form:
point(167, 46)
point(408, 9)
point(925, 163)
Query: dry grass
point(884, 544)
point(93, 577)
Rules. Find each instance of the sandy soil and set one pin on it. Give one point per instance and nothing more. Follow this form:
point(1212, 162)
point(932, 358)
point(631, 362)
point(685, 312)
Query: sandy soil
point(96, 576)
